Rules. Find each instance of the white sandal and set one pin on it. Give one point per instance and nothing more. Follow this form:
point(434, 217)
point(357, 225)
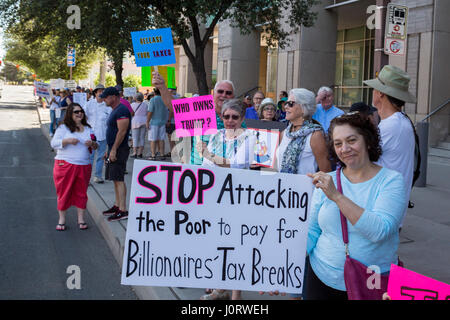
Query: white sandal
point(216, 295)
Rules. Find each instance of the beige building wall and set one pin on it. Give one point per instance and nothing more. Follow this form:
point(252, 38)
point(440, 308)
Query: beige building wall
point(310, 59)
point(238, 58)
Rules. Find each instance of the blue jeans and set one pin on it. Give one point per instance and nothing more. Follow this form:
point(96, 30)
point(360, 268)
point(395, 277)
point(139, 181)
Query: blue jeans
point(97, 155)
point(53, 123)
point(61, 117)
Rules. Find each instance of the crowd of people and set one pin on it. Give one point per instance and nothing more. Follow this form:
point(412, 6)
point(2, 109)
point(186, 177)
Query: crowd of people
point(369, 152)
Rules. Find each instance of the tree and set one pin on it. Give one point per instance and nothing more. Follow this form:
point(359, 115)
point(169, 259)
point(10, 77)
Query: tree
point(186, 18)
point(131, 80)
point(110, 80)
point(104, 24)
point(108, 24)
point(47, 57)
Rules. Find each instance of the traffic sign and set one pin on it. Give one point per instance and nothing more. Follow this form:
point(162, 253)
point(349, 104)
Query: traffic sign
point(396, 21)
point(395, 47)
point(71, 56)
point(396, 30)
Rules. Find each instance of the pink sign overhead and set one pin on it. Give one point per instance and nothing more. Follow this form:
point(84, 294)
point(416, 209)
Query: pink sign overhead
point(408, 285)
point(194, 116)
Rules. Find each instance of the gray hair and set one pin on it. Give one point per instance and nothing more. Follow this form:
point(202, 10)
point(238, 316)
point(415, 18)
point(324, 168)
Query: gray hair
point(235, 105)
point(326, 89)
point(139, 97)
point(225, 81)
point(306, 99)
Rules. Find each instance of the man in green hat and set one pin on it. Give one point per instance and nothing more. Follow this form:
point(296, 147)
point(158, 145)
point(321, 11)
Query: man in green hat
point(397, 133)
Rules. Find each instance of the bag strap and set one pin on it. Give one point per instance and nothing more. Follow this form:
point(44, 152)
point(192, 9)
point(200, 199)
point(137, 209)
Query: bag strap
point(343, 219)
point(138, 107)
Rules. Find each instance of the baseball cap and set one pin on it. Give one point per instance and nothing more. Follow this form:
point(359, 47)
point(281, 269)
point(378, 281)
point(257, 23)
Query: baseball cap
point(110, 91)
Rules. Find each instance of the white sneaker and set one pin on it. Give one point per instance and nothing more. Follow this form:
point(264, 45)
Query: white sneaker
point(98, 180)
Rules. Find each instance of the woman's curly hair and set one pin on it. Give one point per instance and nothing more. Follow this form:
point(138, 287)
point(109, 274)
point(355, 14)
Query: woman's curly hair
point(365, 127)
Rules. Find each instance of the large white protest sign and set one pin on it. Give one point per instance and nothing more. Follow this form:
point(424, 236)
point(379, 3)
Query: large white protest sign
point(211, 227)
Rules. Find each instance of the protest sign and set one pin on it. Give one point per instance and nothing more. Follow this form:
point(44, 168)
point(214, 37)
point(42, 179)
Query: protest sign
point(129, 92)
point(57, 83)
point(153, 47)
point(405, 284)
point(80, 98)
point(212, 227)
point(43, 89)
point(194, 116)
point(70, 84)
point(168, 74)
point(266, 147)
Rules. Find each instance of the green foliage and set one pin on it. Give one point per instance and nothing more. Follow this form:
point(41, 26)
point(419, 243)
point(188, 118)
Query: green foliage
point(47, 57)
point(132, 80)
point(110, 80)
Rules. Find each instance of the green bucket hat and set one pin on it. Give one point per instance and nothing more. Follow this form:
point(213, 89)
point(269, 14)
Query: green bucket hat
point(393, 82)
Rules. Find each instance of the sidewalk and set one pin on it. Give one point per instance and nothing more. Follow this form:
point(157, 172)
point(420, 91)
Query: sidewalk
point(424, 241)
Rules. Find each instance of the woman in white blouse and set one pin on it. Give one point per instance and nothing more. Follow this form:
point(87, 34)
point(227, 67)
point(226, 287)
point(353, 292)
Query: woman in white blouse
point(74, 141)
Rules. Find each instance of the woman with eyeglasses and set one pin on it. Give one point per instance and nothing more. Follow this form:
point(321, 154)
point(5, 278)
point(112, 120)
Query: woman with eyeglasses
point(372, 202)
point(73, 141)
point(231, 147)
point(267, 110)
point(303, 146)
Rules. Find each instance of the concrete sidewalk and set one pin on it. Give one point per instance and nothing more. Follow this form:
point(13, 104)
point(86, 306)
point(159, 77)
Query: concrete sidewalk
point(424, 241)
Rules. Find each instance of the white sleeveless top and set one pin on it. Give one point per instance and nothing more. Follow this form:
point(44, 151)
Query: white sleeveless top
point(307, 163)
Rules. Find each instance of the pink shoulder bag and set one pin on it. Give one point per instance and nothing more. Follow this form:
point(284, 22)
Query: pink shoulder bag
point(357, 276)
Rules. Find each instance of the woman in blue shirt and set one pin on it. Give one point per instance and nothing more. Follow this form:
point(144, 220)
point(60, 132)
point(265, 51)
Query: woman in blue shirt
point(372, 202)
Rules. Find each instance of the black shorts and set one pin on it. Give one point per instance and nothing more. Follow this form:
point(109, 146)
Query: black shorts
point(115, 171)
point(170, 128)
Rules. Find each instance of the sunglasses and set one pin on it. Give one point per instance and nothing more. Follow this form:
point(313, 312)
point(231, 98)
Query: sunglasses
point(234, 117)
point(78, 111)
point(269, 109)
point(221, 91)
point(289, 104)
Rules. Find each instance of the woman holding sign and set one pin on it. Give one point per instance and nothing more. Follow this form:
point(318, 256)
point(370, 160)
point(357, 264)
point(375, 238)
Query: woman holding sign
point(73, 141)
point(371, 203)
point(231, 147)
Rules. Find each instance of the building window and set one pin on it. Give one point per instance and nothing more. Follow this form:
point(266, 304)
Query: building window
point(354, 64)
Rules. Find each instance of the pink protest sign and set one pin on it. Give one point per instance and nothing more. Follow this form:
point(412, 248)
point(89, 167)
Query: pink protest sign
point(194, 116)
point(408, 285)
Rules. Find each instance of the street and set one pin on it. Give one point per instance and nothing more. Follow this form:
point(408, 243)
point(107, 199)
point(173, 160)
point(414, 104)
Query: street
point(36, 261)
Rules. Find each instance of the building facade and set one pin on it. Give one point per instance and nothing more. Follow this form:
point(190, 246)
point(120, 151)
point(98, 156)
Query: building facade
point(341, 50)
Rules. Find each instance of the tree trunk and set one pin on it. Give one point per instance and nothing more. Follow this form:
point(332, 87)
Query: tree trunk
point(200, 74)
point(198, 65)
point(118, 67)
point(103, 70)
